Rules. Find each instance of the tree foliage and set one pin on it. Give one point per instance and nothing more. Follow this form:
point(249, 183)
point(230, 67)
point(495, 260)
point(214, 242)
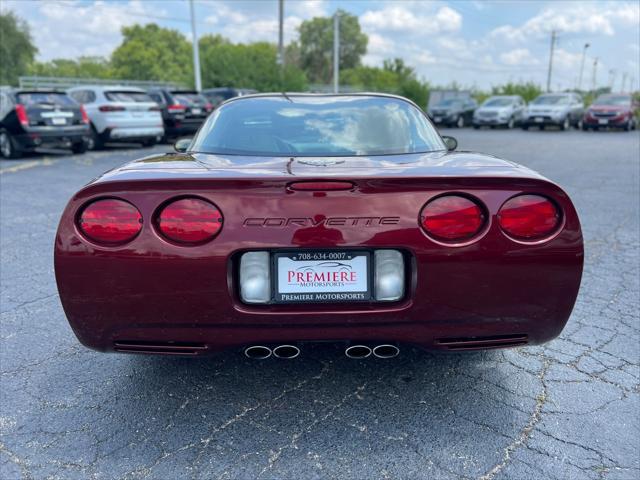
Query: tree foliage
point(151, 52)
point(251, 65)
point(316, 45)
point(17, 51)
point(528, 90)
point(83, 67)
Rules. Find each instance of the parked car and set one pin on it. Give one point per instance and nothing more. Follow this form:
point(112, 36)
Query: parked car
point(183, 111)
point(40, 118)
point(453, 112)
point(218, 95)
point(387, 238)
point(119, 114)
point(611, 110)
point(562, 110)
point(499, 110)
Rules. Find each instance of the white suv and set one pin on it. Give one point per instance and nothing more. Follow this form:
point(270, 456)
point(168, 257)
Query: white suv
point(119, 114)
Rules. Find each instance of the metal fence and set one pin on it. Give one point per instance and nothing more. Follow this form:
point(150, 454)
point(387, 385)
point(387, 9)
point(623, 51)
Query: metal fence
point(62, 83)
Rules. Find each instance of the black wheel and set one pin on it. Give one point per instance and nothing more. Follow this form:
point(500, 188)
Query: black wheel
point(476, 127)
point(95, 141)
point(511, 123)
point(629, 125)
point(79, 147)
point(460, 122)
point(8, 147)
point(566, 124)
point(525, 126)
point(585, 128)
point(149, 142)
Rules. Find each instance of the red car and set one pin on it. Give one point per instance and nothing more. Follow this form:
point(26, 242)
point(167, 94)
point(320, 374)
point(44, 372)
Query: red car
point(612, 110)
point(311, 218)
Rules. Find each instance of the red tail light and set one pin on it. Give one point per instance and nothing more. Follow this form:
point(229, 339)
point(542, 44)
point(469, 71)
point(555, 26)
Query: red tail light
point(85, 118)
point(529, 217)
point(452, 218)
point(111, 108)
point(110, 221)
point(176, 107)
point(208, 107)
point(21, 113)
point(321, 186)
point(190, 221)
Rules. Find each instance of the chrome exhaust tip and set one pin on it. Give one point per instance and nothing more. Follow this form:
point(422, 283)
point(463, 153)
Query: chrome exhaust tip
point(286, 351)
point(257, 352)
point(386, 351)
point(358, 351)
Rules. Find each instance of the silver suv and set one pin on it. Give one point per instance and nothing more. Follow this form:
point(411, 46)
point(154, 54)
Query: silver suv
point(124, 114)
point(563, 110)
point(499, 110)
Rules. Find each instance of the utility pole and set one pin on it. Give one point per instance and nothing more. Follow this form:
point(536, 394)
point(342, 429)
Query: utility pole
point(593, 75)
point(553, 45)
point(624, 81)
point(280, 59)
point(196, 49)
point(336, 53)
point(612, 79)
point(584, 54)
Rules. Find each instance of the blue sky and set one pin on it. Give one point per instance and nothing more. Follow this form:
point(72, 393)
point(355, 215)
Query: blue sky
point(474, 43)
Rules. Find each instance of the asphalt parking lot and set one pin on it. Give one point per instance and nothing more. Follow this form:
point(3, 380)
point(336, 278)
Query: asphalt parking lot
point(568, 409)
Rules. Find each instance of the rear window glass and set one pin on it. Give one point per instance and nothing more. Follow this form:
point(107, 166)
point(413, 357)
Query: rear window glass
point(613, 100)
point(317, 126)
point(127, 96)
point(188, 98)
point(552, 100)
point(45, 98)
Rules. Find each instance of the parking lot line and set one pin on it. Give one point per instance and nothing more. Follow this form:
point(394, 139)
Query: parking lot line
point(27, 165)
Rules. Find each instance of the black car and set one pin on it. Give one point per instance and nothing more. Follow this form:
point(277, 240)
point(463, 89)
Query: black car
point(35, 118)
point(453, 112)
point(218, 95)
point(183, 111)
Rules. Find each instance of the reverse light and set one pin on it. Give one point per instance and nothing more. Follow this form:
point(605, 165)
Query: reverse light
point(452, 218)
point(389, 275)
point(21, 113)
point(110, 221)
point(529, 217)
point(190, 221)
point(255, 277)
point(83, 113)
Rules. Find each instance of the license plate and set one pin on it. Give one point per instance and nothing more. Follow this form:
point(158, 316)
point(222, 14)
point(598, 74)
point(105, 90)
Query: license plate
point(539, 119)
point(59, 121)
point(196, 111)
point(322, 276)
point(603, 121)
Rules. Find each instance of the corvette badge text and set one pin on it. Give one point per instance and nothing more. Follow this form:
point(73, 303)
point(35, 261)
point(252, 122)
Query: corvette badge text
point(330, 221)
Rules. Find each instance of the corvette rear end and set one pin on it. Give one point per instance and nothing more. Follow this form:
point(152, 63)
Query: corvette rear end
point(203, 251)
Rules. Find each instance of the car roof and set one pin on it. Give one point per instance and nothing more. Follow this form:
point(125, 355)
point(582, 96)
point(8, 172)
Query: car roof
point(289, 96)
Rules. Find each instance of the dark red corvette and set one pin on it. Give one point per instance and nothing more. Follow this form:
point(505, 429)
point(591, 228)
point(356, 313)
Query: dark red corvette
point(306, 218)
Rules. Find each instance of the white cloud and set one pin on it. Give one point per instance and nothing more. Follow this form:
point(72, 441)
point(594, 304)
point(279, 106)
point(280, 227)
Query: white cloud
point(518, 56)
point(399, 18)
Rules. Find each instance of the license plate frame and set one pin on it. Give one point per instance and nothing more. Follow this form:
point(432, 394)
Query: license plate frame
point(313, 257)
point(603, 121)
point(538, 119)
point(58, 121)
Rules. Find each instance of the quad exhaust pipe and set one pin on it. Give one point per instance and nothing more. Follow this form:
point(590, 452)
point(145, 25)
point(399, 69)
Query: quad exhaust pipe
point(379, 351)
point(261, 352)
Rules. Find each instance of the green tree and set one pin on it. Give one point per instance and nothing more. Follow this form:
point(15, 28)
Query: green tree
point(528, 90)
point(316, 45)
point(16, 48)
point(246, 66)
point(83, 67)
point(151, 52)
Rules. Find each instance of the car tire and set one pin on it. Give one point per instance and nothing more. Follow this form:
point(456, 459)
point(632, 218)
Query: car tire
point(95, 142)
point(511, 123)
point(8, 147)
point(460, 122)
point(584, 128)
point(149, 142)
point(580, 124)
point(566, 124)
point(524, 126)
point(79, 147)
point(476, 127)
point(629, 126)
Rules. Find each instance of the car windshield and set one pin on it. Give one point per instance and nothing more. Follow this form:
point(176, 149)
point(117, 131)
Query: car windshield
point(498, 102)
point(125, 96)
point(552, 100)
point(30, 99)
point(449, 102)
point(188, 98)
point(310, 126)
point(613, 100)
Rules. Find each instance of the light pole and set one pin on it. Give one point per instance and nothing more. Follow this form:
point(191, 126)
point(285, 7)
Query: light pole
point(584, 54)
point(593, 76)
point(196, 49)
point(553, 45)
point(336, 52)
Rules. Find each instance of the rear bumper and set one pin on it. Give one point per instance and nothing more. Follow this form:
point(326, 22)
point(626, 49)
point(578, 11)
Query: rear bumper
point(132, 133)
point(619, 121)
point(153, 291)
point(44, 137)
point(480, 122)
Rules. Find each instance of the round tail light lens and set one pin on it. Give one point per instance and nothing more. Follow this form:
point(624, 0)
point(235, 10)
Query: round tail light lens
point(529, 217)
point(110, 221)
point(190, 221)
point(452, 218)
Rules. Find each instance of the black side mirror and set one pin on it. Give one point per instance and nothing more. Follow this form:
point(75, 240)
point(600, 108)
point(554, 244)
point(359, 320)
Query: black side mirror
point(450, 142)
point(182, 145)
